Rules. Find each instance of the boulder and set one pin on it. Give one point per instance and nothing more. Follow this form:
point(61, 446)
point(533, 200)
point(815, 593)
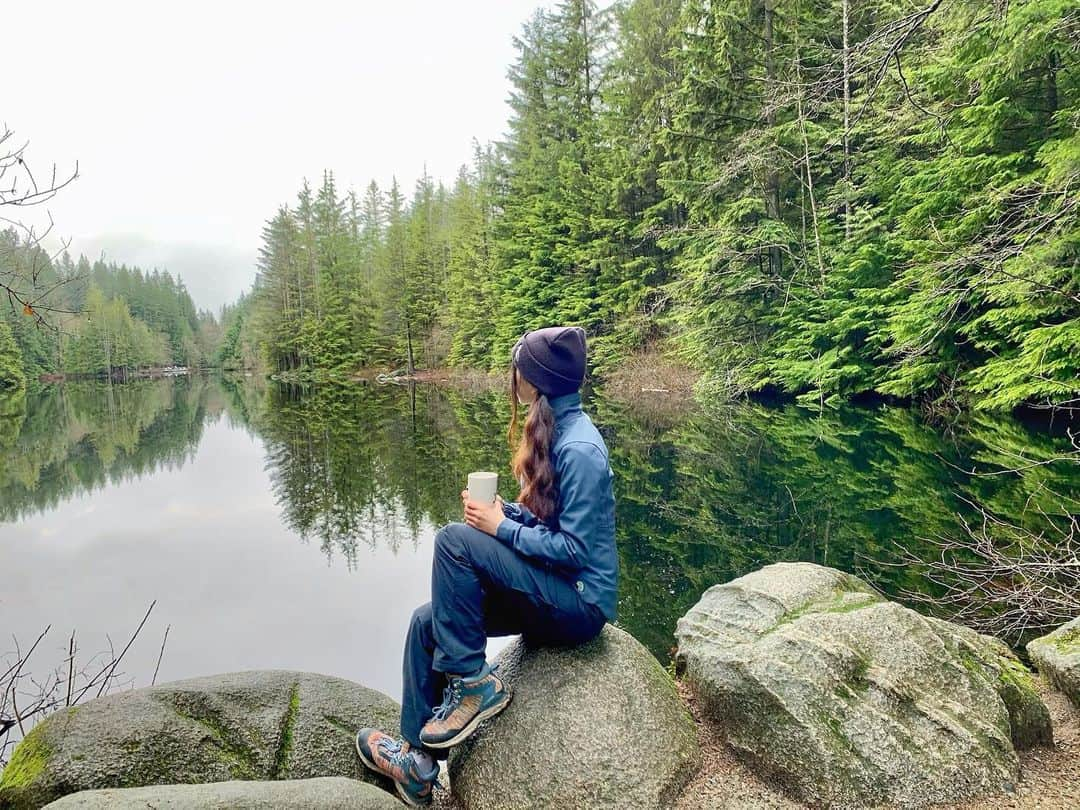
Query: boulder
point(1057, 656)
point(596, 726)
point(244, 725)
point(849, 700)
point(325, 793)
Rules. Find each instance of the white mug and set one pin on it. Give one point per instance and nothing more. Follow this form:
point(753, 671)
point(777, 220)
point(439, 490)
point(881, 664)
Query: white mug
point(483, 486)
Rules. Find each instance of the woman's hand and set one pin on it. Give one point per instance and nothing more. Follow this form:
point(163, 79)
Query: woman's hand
point(465, 499)
point(483, 516)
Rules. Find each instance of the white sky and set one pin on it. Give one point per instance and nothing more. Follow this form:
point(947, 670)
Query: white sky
point(193, 121)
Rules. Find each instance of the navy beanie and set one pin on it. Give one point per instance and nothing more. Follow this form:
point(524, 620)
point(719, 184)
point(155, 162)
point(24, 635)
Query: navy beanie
point(552, 359)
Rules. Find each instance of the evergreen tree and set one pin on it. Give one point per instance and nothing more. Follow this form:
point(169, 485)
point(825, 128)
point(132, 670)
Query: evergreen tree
point(11, 373)
point(472, 285)
point(817, 199)
point(545, 233)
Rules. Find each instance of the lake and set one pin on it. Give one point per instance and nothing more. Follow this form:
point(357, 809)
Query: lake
point(280, 527)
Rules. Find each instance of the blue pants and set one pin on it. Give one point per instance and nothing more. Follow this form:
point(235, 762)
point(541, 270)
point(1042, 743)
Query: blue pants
point(481, 588)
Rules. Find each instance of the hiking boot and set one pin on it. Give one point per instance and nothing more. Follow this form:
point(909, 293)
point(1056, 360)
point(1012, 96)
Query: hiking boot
point(467, 702)
point(392, 758)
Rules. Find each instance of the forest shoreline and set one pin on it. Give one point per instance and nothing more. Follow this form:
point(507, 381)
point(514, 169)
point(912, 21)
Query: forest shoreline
point(655, 381)
point(118, 375)
point(652, 380)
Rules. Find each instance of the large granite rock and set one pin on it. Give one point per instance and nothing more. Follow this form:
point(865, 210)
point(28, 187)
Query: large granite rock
point(325, 793)
point(1057, 656)
point(244, 725)
point(596, 726)
point(849, 700)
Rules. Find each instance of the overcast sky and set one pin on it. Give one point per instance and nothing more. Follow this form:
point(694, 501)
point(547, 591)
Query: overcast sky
point(192, 122)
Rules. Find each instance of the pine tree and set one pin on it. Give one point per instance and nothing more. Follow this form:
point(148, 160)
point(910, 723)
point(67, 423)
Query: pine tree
point(545, 234)
point(633, 209)
point(472, 286)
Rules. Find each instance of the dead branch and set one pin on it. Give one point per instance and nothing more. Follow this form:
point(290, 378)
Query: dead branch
point(25, 699)
point(1004, 579)
point(23, 260)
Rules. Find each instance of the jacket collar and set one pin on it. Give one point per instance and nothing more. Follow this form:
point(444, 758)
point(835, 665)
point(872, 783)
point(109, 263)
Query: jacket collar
point(565, 404)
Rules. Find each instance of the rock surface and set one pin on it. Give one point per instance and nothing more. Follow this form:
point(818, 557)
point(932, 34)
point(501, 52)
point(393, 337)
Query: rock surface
point(596, 726)
point(1057, 656)
point(325, 793)
point(246, 725)
point(849, 700)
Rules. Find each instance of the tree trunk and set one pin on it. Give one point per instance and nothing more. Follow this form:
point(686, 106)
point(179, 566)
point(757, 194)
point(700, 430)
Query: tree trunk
point(1051, 89)
point(408, 338)
point(772, 179)
point(806, 161)
point(847, 123)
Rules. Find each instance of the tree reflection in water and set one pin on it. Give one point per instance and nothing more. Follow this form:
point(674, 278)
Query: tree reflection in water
point(703, 495)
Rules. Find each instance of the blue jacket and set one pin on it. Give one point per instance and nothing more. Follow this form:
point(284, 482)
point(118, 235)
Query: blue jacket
point(580, 542)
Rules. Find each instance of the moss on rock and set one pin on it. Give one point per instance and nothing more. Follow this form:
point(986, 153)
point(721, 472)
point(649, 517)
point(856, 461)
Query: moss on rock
point(991, 659)
point(1068, 643)
point(1057, 655)
point(848, 699)
point(244, 725)
point(288, 728)
point(28, 761)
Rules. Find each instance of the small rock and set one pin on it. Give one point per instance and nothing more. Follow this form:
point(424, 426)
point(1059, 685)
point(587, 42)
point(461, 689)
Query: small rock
point(1057, 655)
point(325, 793)
point(595, 726)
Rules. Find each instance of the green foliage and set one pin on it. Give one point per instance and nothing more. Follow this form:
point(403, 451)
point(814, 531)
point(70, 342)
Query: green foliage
point(928, 249)
point(472, 272)
point(237, 348)
point(821, 199)
point(11, 373)
point(111, 338)
point(102, 317)
point(156, 300)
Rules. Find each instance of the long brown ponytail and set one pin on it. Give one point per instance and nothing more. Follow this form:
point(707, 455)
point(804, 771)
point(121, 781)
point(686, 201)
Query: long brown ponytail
point(532, 464)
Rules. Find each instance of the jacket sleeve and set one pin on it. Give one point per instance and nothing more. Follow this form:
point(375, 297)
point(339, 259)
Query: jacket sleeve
point(583, 484)
point(519, 513)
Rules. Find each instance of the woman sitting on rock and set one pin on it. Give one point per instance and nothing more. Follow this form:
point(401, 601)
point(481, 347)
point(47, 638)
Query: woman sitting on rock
point(545, 567)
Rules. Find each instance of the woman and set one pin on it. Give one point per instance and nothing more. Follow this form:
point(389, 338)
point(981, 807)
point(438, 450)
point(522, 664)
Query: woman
point(545, 566)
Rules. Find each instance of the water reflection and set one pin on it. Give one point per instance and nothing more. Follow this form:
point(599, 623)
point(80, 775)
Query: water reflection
point(76, 438)
point(701, 497)
point(357, 466)
point(729, 489)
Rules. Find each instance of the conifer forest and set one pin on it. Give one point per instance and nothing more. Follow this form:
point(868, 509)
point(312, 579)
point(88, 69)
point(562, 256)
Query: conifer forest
point(819, 199)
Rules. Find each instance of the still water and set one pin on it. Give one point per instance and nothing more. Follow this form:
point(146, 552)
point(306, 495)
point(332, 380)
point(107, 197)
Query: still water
point(286, 528)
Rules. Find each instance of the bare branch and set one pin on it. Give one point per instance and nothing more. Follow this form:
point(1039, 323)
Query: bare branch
point(25, 699)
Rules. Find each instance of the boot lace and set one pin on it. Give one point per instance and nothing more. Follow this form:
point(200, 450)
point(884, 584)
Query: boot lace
point(451, 699)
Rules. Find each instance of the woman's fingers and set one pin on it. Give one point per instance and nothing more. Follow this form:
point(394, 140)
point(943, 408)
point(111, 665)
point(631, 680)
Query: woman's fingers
point(470, 517)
